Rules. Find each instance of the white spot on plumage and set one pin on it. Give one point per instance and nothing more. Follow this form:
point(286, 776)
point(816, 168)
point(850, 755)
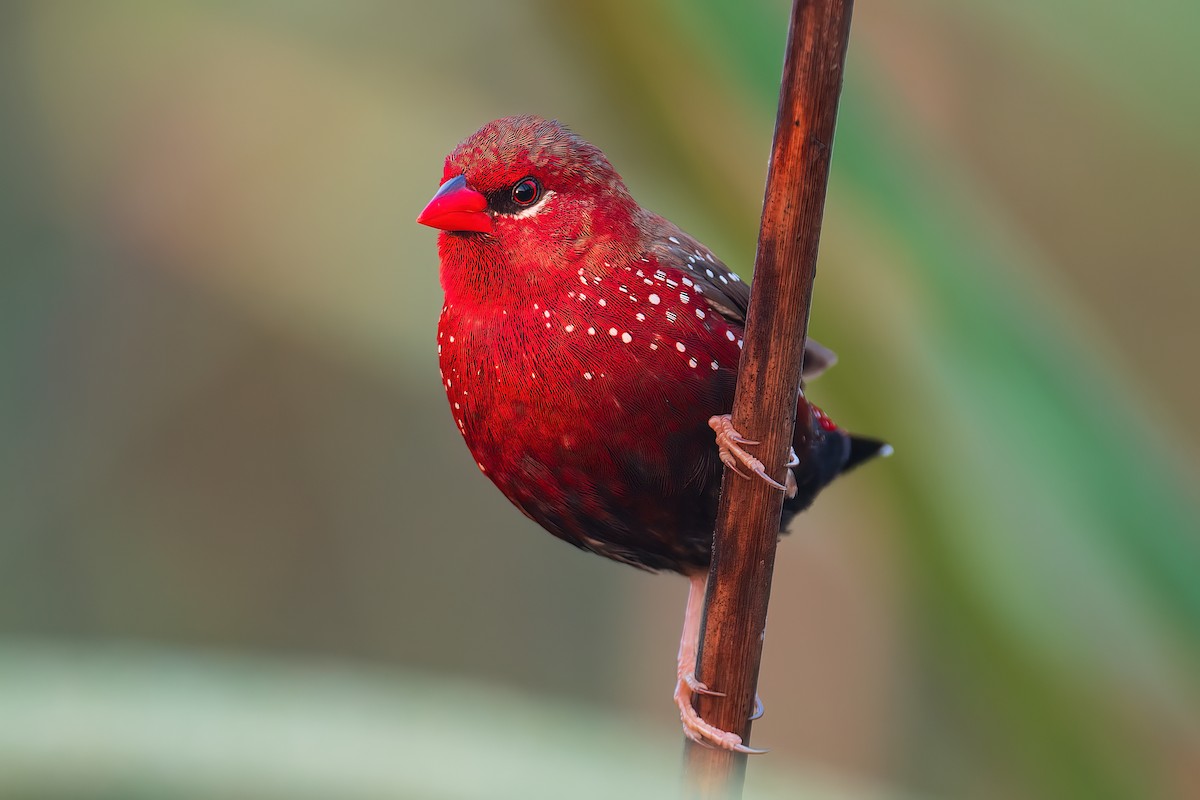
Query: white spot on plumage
point(692, 363)
point(451, 338)
point(591, 331)
point(626, 338)
point(723, 279)
point(684, 297)
point(673, 239)
point(587, 375)
point(709, 273)
point(640, 317)
point(700, 313)
point(654, 300)
point(602, 301)
point(714, 365)
point(547, 313)
point(672, 316)
point(680, 346)
point(654, 345)
point(612, 331)
point(569, 329)
point(729, 335)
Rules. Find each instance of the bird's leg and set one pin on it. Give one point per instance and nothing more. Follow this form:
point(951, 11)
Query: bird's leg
point(732, 455)
point(687, 685)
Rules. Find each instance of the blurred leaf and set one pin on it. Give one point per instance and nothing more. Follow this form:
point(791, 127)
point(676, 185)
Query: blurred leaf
point(1158, 84)
point(87, 722)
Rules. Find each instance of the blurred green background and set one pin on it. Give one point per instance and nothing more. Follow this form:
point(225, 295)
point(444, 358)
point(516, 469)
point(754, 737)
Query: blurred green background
point(244, 553)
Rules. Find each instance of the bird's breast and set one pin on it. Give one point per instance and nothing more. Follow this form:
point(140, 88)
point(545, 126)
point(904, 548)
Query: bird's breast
point(601, 364)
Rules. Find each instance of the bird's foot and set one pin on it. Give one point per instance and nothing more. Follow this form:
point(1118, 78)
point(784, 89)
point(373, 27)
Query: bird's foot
point(694, 727)
point(732, 455)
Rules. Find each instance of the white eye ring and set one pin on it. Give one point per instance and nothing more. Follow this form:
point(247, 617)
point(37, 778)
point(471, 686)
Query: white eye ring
point(535, 208)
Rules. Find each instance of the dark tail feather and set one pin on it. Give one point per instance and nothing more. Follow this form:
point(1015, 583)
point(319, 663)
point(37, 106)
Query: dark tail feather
point(833, 453)
point(864, 448)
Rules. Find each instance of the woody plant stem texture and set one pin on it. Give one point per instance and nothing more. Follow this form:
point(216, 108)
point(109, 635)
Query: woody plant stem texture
point(764, 408)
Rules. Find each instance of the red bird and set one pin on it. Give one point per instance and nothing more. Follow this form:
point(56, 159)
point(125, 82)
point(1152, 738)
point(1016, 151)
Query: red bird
point(589, 350)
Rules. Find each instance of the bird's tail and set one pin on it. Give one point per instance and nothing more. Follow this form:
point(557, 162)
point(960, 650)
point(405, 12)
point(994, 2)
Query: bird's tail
point(831, 451)
point(864, 448)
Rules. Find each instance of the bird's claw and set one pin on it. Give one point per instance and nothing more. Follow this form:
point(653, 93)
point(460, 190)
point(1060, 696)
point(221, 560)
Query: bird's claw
point(698, 686)
point(694, 726)
point(728, 441)
point(759, 708)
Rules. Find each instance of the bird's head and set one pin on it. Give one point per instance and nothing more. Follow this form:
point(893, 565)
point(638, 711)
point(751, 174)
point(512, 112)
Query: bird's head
point(528, 193)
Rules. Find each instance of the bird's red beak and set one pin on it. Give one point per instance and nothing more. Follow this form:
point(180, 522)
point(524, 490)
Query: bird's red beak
point(457, 207)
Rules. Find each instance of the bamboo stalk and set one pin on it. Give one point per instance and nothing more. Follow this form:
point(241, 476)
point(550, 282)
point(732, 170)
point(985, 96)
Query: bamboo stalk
point(764, 407)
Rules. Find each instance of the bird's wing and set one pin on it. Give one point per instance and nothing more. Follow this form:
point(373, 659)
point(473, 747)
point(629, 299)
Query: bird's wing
point(722, 288)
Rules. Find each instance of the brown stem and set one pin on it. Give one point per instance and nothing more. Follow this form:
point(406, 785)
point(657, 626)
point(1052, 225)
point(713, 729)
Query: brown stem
point(768, 382)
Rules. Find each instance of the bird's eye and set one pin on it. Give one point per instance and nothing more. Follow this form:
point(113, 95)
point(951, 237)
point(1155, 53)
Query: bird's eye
point(526, 192)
